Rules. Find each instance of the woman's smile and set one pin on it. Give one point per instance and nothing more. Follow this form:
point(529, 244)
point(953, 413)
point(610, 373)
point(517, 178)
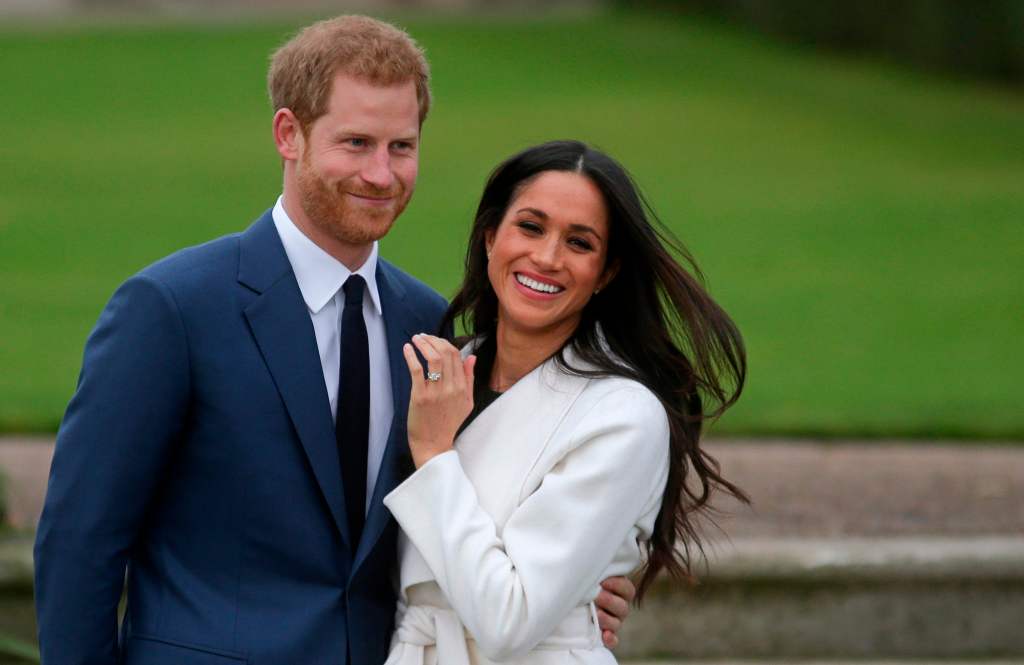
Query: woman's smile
point(536, 286)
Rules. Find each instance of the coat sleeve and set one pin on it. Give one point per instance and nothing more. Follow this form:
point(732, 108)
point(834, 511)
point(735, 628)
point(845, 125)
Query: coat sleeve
point(129, 406)
point(512, 590)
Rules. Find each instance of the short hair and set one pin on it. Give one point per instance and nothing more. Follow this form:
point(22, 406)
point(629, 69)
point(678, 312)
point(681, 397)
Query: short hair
point(302, 70)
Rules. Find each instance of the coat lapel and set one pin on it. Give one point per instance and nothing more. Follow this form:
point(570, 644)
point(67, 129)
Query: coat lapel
point(533, 408)
point(400, 325)
point(284, 333)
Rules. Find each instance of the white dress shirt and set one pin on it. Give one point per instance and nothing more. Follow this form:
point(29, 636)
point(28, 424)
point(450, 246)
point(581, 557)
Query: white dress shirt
point(320, 277)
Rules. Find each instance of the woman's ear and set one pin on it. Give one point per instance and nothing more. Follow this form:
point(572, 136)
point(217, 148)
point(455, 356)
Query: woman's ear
point(488, 241)
point(609, 274)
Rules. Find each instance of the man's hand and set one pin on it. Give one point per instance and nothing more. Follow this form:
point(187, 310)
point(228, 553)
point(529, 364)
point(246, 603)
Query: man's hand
point(613, 603)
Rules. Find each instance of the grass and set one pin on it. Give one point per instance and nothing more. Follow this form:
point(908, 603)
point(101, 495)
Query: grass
point(19, 651)
point(863, 224)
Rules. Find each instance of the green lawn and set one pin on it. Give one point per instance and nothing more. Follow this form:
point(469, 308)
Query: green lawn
point(864, 224)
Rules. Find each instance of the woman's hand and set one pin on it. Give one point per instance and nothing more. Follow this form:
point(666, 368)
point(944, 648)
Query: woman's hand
point(437, 407)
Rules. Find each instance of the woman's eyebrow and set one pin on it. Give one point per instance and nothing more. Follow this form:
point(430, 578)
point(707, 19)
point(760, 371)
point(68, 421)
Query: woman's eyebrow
point(577, 228)
point(534, 211)
point(583, 228)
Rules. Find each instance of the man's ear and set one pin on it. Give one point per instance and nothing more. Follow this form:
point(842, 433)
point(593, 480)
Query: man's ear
point(609, 274)
point(288, 136)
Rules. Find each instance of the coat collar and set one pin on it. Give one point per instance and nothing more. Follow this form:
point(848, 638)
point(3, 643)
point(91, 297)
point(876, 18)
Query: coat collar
point(538, 401)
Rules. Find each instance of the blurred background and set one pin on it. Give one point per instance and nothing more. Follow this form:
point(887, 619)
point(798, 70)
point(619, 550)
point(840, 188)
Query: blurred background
point(849, 176)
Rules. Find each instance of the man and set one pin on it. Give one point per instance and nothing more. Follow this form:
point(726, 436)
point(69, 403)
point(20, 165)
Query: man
point(240, 412)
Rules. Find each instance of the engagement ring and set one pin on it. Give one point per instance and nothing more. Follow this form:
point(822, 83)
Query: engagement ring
point(433, 376)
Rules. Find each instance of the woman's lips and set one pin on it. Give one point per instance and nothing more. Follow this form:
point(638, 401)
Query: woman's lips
point(534, 286)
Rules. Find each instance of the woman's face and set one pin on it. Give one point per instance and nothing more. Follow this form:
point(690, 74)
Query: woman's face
point(547, 256)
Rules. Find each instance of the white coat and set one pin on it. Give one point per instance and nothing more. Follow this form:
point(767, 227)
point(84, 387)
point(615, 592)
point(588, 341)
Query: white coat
point(506, 538)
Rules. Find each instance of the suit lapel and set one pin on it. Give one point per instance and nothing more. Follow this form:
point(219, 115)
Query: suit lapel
point(284, 333)
point(399, 325)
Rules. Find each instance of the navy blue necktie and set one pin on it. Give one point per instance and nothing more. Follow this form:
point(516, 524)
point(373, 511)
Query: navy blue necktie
point(352, 426)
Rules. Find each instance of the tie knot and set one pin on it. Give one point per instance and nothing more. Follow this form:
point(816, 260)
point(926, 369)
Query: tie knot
point(353, 289)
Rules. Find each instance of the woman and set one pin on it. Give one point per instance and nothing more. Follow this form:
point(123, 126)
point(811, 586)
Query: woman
point(593, 352)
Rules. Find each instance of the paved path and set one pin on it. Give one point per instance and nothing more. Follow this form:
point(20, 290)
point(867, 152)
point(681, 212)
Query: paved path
point(873, 488)
point(806, 489)
point(25, 464)
point(821, 662)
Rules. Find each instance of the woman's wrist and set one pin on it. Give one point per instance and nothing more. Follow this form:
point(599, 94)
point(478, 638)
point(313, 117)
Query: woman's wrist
point(424, 451)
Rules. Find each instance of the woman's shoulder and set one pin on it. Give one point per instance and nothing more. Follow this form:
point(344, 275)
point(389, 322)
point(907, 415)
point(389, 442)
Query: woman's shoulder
point(620, 394)
point(617, 422)
point(601, 382)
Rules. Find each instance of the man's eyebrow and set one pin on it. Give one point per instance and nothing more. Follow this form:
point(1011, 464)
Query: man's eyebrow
point(578, 228)
point(346, 133)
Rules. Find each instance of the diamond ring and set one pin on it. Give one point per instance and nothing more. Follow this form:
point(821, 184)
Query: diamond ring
point(433, 376)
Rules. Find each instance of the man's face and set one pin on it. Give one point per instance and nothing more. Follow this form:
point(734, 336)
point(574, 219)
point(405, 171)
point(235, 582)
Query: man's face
point(358, 164)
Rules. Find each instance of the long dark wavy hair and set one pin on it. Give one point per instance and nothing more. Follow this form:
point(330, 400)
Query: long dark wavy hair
point(654, 315)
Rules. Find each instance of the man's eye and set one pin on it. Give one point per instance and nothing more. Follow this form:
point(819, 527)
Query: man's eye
point(356, 143)
point(404, 146)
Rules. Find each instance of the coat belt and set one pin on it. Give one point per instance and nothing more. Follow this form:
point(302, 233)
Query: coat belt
point(425, 625)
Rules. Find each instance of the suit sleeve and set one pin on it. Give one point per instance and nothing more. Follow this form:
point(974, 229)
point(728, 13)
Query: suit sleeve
point(128, 408)
point(511, 590)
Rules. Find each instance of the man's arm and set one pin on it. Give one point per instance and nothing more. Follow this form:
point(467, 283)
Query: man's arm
point(130, 404)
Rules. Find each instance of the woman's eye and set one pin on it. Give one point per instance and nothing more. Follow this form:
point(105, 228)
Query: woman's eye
point(581, 244)
point(530, 227)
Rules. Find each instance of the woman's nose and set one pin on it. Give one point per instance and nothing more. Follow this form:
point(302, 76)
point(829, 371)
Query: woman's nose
point(548, 255)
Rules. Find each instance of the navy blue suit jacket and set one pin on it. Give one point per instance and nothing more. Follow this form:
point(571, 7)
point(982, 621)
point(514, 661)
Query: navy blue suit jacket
point(198, 454)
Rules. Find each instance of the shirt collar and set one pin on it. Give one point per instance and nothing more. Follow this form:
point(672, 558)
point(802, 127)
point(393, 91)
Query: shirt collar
point(319, 274)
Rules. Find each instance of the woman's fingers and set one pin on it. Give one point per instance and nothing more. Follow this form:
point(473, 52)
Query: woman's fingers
point(415, 368)
point(468, 367)
point(449, 361)
point(415, 371)
point(430, 354)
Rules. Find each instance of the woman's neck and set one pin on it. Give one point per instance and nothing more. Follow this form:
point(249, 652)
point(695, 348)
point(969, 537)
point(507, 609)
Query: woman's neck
point(518, 352)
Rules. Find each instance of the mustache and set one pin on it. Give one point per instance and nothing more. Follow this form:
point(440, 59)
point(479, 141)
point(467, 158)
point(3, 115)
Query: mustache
point(371, 191)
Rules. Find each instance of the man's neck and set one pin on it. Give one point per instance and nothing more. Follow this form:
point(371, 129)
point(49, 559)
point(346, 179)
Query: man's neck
point(351, 256)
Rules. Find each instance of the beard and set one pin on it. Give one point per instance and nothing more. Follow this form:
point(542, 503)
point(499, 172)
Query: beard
point(331, 209)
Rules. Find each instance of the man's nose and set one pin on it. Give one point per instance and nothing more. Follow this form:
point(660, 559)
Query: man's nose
point(377, 170)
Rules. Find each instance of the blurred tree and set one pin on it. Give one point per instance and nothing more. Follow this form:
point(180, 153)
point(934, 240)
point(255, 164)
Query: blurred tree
point(982, 38)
